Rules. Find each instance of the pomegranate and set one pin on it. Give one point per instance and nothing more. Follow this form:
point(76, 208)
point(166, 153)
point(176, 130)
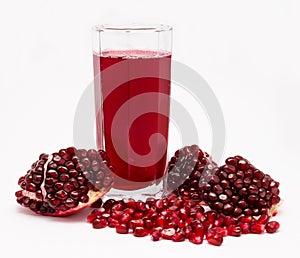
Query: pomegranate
point(65, 182)
point(184, 171)
point(238, 188)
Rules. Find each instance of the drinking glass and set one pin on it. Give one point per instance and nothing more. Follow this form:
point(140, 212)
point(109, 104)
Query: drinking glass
point(132, 74)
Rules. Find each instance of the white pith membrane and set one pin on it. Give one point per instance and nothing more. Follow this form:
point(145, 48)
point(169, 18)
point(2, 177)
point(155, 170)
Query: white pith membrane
point(32, 195)
point(93, 195)
point(274, 208)
point(44, 193)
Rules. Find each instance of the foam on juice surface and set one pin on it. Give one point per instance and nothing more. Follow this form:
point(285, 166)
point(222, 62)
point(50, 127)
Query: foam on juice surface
point(134, 54)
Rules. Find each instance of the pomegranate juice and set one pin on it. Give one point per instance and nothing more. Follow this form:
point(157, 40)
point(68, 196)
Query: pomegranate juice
point(132, 105)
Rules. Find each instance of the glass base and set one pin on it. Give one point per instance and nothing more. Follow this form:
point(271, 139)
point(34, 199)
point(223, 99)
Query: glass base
point(154, 191)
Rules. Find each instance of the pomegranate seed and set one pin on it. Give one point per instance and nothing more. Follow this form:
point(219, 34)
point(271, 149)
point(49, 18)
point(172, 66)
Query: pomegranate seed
point(100, 223)
point(117, 207)
point(150, 212)
point(136, 223)
point(257, 228)
point(160, 221)
point(105, 215)
point(90, 218)
point(211, 216)
point(137, 215)
point(243, 165)
point(140, 206)
point(221, 231)
point(116, 214)
point(234, 231)
point(155, 235)
point(272, 227)
point(159, 204)
point(129, 203)
point(178, 237)
point(124, 218)
point(210, 233)
point(198, 229)
point(245, 228)
point(108, 204)
point(112, 223)
point(246, 219)
point(228, 221)
point(263, 219)
point(150, 201)
point(122, 229)
point(129, 211)
point(216, 240)
point(200, 215)
point(148, 223)
point(181, 224)
point(167, 233)
point(140, 232)
point(195, 238)
point(219, 222)
point(188, 230)
point(19, 193)
point(171, 224)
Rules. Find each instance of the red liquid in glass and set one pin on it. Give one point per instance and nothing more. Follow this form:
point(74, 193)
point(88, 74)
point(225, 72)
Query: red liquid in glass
point(143, 74)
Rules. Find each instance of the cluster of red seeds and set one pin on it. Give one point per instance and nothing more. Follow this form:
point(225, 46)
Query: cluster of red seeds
point(177, 219)
point(65, 181)
point(184, 172)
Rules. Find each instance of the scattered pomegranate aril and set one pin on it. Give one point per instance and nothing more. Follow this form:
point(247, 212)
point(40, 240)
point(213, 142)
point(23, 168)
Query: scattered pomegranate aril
point(168, 233)
point(199, 229)
point(63, 183)
point(122, 229)
point(257, 228)
point(263, 219)
point(220, 231)
point(246, 219)
point(215, 240)
point(178, 237)
point(100, 223)
point(108, 204)
point(155, 235)
point(140, 232)
point(136, 223)
point(112, 223)
point(234, 231)
point(176, 218)
point(245, 228)
point(272, 227)
point(129, 203)
point(195, 238)
point(92, 216)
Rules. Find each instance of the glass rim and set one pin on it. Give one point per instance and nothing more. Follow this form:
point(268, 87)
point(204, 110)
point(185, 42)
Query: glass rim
point(132, 27)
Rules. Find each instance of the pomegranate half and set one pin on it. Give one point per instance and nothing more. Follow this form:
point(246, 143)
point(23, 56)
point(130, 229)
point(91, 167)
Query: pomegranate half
point(65, 182)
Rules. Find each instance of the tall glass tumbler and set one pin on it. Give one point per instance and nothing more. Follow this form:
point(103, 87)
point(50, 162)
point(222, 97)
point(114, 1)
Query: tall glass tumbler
point(132, 74)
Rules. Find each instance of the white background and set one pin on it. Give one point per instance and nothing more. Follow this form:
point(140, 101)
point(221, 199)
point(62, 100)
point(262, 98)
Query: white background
point(248, 51)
